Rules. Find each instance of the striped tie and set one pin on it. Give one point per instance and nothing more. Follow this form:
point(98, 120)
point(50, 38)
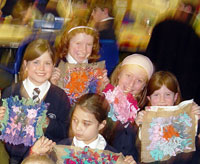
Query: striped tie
point(36, 93)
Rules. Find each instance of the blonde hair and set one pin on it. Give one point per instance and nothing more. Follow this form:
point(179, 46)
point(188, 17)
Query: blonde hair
point(38, 159)
point(63, 45)
point(141, 98)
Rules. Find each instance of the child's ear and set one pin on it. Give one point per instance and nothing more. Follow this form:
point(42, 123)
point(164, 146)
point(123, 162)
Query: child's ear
point(25, 63)
point(175, 97)
point(102, 125)
point(148, 97)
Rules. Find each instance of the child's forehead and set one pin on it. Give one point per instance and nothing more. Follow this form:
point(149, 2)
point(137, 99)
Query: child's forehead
point(163, 88)
point(133, 68)
point(82, 34)
point(83, 112)
point(44, 56)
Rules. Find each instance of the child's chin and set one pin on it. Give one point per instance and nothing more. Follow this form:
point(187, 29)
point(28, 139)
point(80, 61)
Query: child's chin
point(79, 137)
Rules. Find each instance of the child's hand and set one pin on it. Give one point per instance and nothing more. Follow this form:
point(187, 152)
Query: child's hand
point(55, 76)
point(2, 112)
point(42, 146)
point(139, 118)
point(105, 78)
point(196, 109)
point(46, 124)
point(129, 159)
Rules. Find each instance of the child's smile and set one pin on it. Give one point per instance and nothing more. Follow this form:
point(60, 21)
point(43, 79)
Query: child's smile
point(162, 97)
point(40, 69)
point(80, 47)
point(132, 79)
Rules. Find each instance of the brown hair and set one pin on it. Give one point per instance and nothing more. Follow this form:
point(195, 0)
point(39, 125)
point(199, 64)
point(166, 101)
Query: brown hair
point(166, 78)
point(63, 45)
point(95, 104)
point(37, 159)
point(104, 4)
point(141, 98)
point(34, 50)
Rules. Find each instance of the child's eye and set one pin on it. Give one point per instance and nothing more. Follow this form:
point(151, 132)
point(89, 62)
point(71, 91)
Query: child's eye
point(168, 94)
point(48, 63)
point(86, 124)
point(140, 81)
point(36, 62)
point(74, 120)
point(90, 44)
point(128, 75)
point(155, 95)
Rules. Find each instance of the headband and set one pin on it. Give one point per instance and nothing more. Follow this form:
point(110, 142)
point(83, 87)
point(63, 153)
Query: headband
point(78, 27)
point(140, 60)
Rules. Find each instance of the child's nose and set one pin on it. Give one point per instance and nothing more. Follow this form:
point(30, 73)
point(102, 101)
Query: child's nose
point(83, 48)
point(162, 98)
point(41, 66)
point(78, 127)
point(132, 83)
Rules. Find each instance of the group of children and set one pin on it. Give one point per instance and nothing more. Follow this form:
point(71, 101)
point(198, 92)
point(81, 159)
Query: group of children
point(105, 120)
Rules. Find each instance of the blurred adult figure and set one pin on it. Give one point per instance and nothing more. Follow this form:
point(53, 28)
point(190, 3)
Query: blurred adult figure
point(174, 46)
point(103, 19)
point(25, 11)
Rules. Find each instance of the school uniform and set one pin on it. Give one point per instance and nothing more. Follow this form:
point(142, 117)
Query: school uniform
point(123, 131)
point(100, 143)
point(123, 139)
point(58, 113)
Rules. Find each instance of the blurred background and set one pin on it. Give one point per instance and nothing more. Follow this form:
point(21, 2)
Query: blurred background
point(134, 21)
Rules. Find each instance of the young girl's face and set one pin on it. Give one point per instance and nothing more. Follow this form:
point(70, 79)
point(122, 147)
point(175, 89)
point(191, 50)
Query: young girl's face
point(85, 126)
point(163, 97)
point(132, 79)
point(80, 47)
point(40, 69)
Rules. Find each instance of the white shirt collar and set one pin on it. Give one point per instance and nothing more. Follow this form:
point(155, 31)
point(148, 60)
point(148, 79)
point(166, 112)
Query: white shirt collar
point(99, 143)
point(71, 60)
point(109, 18)
point(29, 87)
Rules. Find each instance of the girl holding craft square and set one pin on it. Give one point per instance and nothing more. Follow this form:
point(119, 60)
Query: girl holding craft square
point(88, 120)
point(163, 90)
point(36, 70)
point(78, 47)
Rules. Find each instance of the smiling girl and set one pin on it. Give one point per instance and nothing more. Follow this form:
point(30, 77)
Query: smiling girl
point(36, 70)
point(163, 90)
point(79, 44)
point(126, 95)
